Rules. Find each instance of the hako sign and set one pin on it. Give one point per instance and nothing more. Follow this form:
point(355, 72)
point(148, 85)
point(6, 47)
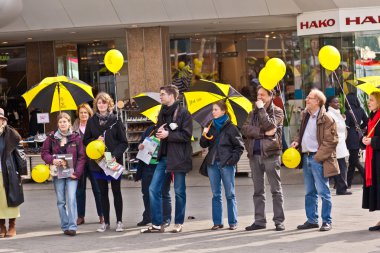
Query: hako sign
point(339, 20)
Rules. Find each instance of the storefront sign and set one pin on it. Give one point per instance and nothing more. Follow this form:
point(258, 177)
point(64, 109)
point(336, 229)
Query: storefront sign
point(340, 20)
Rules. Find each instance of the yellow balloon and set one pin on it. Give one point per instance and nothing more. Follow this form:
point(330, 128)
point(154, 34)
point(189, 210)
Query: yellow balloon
point(40, 173)
point(291, 158)
point(329, 57)
point(196, 61)
point(181, 64)
point(114, 60)
point(95, 149)
point(277, 67)
point(267, 79)
point(199, 64)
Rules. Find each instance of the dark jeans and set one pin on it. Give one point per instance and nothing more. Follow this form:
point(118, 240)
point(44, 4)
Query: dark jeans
point(353, 162)
point(81, 193)
point(117, 199)
point(146, 179)
point(341, 179)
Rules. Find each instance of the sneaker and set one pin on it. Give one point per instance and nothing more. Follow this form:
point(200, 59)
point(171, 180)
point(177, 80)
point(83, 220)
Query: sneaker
point(216, 227)
point(325, 227)
point(280, 227)
point(165, 224)
point(254, 227)
point(153, 229)
point(307, 225)
point(177, 228)
point(103, 227)
point(119, 227)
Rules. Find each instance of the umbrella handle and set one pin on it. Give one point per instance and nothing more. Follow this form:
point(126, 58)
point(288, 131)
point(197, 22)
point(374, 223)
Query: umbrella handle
point(205, 135)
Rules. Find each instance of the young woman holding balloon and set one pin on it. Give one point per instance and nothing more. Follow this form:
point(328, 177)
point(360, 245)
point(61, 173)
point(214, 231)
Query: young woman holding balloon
point(371, 196)
point(105, 126)
point(65, 142)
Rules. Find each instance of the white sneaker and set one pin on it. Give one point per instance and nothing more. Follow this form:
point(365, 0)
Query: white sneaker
point(119, 227)
point(177, 228)
point(103, 227)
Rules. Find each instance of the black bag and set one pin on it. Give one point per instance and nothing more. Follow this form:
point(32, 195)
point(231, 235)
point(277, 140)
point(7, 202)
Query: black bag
point(20, 159)
point(15, 190)
point(203, 168)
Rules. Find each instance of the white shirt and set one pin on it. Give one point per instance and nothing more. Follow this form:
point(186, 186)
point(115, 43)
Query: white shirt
point(341, 148)
point(309, 141)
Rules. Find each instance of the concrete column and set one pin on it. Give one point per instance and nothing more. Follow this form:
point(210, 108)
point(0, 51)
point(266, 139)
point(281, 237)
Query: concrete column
point(148, 59)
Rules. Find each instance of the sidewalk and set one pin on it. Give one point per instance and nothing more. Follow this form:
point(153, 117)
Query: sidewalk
point(38, 228)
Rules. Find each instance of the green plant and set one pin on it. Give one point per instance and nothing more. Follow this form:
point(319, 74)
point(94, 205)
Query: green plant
point(363, 97)
point(289, 114)
point(342, 103)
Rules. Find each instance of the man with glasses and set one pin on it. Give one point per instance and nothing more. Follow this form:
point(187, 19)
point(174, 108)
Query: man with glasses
point(317, 143)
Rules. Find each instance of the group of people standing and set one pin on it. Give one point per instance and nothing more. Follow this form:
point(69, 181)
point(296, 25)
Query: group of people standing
point(325, 139)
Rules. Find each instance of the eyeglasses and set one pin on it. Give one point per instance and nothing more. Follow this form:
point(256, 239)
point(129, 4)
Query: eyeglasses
point(311, 97)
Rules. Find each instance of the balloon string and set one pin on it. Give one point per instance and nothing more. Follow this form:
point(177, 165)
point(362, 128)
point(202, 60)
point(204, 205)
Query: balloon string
point(345, 98)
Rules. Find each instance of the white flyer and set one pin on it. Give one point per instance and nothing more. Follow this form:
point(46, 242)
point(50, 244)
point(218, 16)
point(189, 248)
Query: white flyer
point(150, 145)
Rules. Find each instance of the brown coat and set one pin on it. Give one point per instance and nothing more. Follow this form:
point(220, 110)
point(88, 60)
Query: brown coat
point(327, 138)
point(258, 122)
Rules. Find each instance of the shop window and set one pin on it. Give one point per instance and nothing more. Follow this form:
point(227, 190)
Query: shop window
point(12, 85)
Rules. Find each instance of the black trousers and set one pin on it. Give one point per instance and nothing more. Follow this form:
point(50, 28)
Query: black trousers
point(341, 179)
point(353, 162)
point(117, 199)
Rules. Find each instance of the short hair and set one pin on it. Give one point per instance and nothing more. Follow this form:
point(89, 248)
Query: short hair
point(222, 105)
point(105, 97)
point(270, 92)
point(86, 107)
point(319, 94)
point(63, 115)
point(376, 95)
point(328, 101)
point(171, 90)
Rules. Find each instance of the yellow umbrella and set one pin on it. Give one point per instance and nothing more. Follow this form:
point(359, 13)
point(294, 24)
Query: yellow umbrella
point(369, 84)
point(149, 104)
point(58, 93)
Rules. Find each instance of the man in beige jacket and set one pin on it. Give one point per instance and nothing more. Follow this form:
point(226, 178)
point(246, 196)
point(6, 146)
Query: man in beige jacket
point(317, 143)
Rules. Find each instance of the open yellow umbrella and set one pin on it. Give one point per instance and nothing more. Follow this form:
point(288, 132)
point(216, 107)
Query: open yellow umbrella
point(369, 84)
point(149, 104)
point(203, 94)
point(58, 93)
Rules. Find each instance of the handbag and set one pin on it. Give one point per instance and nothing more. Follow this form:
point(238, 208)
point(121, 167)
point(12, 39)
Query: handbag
point(15, 189)
point(203, 168)
point(20, 159)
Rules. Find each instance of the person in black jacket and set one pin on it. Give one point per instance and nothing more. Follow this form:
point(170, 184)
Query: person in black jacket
point(356, 121)
point(106, 126)
point(145, 173)
point(174, 130)
point(225, 145)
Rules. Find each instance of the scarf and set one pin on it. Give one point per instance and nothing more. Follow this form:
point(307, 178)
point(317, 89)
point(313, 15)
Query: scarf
point(219, 122)
point(167, 112)
point(369, 150)
point(103, 118)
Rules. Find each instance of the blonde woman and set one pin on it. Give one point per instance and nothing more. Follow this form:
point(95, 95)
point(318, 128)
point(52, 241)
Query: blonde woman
point(64, 141)
point(104, 125)
point(84, 112)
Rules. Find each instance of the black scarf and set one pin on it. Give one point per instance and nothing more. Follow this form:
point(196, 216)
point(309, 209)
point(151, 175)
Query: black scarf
point(167, 113)
point(103, 118)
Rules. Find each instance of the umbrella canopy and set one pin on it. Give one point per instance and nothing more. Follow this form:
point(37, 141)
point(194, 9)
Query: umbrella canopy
point(203, 94)
point(149, 104)
point(58, 93)
point(369, 84)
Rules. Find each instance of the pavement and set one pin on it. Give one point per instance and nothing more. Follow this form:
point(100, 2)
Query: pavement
point(38, 227)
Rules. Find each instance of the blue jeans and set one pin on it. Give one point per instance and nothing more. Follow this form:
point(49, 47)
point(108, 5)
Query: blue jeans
point(217, 175)
point(67, 209)
point(156, 191)
point(316, 184)
point(146, 179)
point(81, 193)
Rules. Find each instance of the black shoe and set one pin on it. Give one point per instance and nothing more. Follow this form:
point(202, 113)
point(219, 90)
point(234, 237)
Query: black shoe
point(374, 228)
point(280, 227)
point(307, 225)
point(325, 227)
point(254, 227)
point(344, 193)
point(143, 223)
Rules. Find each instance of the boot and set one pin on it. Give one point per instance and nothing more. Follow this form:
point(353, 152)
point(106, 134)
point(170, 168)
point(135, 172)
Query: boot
point(3, 229)
point(12, 228)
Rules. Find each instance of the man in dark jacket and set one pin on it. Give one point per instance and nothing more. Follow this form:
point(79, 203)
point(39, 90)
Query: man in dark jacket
point(263, 129)
point(175, 129)
point(317, 142)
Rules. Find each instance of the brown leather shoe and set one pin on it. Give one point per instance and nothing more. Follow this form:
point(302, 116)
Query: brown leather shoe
point(12, 228)
point(216, 227)
point(101, 219)
point(80, 221)
point(3, 229)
